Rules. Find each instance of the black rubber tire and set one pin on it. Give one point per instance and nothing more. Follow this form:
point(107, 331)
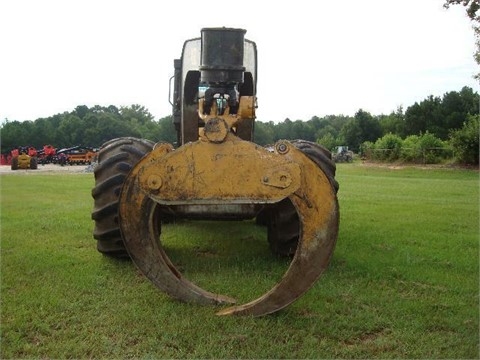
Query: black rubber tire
point(320, 156)
point(33, 163)
point(283, 228)
point(14, 163)
point(283, 224)
point(115, 160)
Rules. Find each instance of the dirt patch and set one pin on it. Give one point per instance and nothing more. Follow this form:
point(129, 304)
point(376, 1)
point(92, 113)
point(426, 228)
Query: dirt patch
point(400, 166)
point(48, 169)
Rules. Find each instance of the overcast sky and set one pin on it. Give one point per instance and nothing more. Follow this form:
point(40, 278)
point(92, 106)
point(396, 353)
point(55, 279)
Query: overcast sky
point(315, 57)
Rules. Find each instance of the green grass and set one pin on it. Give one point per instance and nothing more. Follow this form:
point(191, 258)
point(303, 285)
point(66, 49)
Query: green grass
point(403, 283)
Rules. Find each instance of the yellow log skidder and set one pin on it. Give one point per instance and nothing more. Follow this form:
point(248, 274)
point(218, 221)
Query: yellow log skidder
point(217, 172)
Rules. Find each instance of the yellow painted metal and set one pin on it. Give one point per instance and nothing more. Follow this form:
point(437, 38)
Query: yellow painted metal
point(230, 172)
point(246, 110)
point(317, 207)
point(246, 107)
point(24, 161)
point(216, 127)
point(140, 226)
point(234, 171)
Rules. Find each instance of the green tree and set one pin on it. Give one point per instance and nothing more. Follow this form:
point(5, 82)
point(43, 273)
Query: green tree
point(136, 113)
point(332, 124)
point(367, 150)
point(327, 132)
point(13, 134)
point(164, 130)
point(453, 109)
point(388, 147)
point(45, 132)
point(111, 126)
point(370, 127)
point(411, 150)
point(425, 148)
point(264, 133)
point(458, 105)
point(328, 141)
point(472, 7)
point(426, 116)
point(81, 111)
point(283, 130)
point(440, 115)
point(302, 130)
point(393, 123)
point(465, 141)
point(352, 134)
point(363, 127)
point(72, 131)
point(432, 148)
point(470, 100)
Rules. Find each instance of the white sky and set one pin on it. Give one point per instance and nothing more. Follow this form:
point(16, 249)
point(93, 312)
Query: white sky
point(315, 57)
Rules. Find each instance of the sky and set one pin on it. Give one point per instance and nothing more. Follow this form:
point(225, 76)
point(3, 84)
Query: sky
point(315, 58)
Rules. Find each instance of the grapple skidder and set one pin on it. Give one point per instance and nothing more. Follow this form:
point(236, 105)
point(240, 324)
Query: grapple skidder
point(217, 172)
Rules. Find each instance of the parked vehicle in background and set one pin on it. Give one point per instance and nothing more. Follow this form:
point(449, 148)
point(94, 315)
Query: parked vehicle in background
point(24, 158)
point(47, 155)
point(76, 155)
point(342, 154)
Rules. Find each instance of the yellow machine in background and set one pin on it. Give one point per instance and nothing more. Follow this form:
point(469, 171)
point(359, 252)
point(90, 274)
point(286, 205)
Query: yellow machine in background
point(24, 158)
point(217, 172)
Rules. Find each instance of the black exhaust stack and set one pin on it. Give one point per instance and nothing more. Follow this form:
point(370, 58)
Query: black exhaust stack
point(221, 67)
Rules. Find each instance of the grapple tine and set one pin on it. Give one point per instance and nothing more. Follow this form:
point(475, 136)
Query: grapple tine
point(319, 218)
point(313, 196)
point(140, 224)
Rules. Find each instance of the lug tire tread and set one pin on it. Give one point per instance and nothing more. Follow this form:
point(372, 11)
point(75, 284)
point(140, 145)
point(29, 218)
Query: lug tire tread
point(115, 160)
point(283, 224)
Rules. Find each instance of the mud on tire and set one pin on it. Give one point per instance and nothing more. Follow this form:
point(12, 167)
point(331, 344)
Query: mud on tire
point(283, 224)
point(115, 160)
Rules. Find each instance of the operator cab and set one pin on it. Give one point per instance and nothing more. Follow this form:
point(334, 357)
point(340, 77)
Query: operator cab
point(220, 76)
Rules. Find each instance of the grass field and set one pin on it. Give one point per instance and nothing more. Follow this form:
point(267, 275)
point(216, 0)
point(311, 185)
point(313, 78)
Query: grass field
point(403, 283)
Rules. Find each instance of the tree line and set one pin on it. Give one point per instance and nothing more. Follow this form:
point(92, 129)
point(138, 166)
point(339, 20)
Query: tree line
point(86, 126)
point(437, 116)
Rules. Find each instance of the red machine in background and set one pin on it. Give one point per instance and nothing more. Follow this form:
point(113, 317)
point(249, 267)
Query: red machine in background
point(47, 155)
point(76, 155)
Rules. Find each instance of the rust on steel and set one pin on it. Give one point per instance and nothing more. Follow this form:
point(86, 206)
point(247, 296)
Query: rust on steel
point(229, 171)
